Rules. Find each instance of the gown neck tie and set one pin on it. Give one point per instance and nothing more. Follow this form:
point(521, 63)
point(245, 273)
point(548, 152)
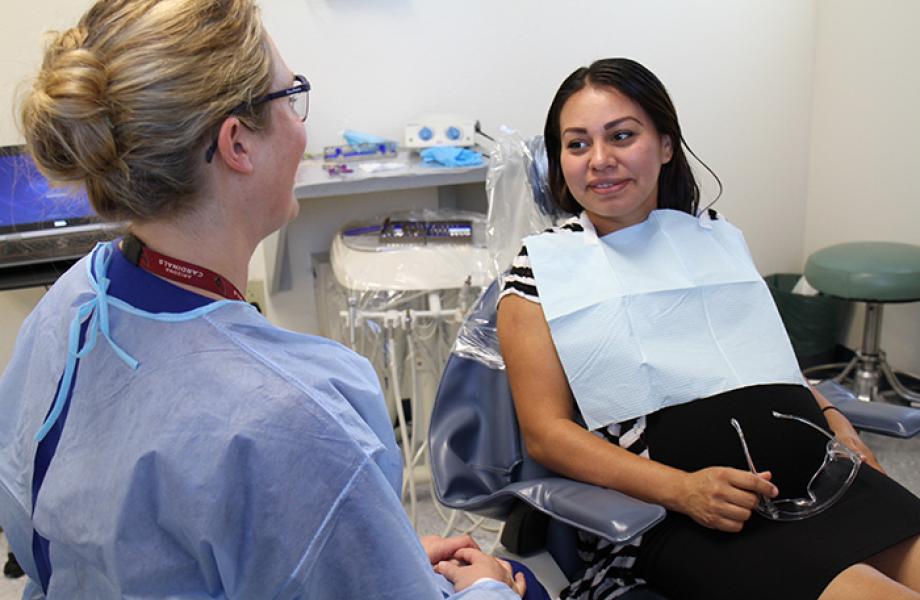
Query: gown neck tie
point(97, 310)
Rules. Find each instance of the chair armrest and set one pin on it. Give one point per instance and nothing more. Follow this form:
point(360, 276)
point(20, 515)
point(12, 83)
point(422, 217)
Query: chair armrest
point(886, 419)
point(601, 511)
point(875, 417)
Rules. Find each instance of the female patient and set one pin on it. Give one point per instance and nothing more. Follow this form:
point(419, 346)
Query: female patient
point(641, 346)
point(160, 439)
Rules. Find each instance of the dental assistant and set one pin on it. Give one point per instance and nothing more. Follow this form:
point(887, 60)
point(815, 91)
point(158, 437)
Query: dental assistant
point(160, 438)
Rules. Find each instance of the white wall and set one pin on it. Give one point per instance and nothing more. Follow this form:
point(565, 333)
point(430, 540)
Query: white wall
point(740, 73)
point(863, 179)
point(21, 42)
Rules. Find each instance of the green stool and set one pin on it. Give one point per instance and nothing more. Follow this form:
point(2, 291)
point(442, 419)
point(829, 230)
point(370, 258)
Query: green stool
point(874, 273)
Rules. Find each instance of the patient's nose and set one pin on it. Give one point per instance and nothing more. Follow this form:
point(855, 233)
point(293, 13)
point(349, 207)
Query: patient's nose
point(603, 157)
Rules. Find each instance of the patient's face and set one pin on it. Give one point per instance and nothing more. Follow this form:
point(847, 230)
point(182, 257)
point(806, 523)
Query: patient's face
point(611, 157)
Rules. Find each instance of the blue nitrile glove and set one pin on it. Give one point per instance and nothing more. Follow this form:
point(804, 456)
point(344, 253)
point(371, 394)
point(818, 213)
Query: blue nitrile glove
point(355, 138)
point(451, 156)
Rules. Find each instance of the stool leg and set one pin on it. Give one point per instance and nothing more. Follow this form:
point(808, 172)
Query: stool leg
point(896, 384)
point(866, 377)
point(872, 331)
point(867, 374)
point(846, 370)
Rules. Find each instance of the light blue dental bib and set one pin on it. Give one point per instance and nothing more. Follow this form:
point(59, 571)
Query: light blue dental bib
point(658, 314)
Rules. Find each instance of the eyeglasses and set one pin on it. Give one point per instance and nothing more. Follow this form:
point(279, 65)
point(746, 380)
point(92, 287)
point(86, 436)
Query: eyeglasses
point(826, 486)
point(297, 97)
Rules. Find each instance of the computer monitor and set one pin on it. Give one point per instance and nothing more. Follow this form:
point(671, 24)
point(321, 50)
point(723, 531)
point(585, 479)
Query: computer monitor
point(40, 223)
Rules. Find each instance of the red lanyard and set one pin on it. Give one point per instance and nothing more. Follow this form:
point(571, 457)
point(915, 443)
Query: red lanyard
point(177, 270)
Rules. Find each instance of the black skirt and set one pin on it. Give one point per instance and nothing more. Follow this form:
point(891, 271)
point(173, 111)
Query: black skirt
point(767, 559)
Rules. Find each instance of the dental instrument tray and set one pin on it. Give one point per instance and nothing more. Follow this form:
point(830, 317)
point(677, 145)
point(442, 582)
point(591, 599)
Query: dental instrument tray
point(419, 249)
point(393, 231)
point(426, 231)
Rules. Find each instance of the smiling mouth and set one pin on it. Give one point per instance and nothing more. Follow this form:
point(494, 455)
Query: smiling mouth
point(608, 187)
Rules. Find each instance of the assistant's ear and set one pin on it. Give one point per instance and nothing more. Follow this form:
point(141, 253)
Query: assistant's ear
point(233, 145)
point(667, 149)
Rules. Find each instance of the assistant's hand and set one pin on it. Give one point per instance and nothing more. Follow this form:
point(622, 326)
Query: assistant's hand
point(476, 565)
point(845, 432)
point(441, 548)
point(722, 498)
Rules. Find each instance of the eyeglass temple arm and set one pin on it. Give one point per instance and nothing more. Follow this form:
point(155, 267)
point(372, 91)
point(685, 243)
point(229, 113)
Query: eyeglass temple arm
point(765, 502)
point(744, 446)
point(780, 415)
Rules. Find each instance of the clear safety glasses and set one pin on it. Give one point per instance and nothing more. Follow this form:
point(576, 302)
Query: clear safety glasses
point(826, 486)
point(298, 96)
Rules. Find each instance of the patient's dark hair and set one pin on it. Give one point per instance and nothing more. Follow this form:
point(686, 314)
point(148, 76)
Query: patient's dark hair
point(677, 187)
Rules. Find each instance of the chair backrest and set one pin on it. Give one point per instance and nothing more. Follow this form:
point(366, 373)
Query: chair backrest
point(474, 430)
point(474, 439)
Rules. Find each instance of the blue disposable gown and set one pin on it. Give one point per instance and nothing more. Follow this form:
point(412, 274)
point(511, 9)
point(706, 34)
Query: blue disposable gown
point(237, 460)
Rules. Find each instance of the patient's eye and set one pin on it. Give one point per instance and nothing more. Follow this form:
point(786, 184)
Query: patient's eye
point(576, 145)
point(622, 135)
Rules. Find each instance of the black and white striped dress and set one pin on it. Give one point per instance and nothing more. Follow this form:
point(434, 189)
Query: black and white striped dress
point(609, 572)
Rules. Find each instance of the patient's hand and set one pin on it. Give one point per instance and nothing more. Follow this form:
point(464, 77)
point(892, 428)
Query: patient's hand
point(475, 565)
point(723, 498)
point(441, 548)
point(845, 432)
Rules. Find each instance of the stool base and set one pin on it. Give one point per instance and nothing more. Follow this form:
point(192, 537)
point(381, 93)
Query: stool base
point(863, 375)
point(870, 365)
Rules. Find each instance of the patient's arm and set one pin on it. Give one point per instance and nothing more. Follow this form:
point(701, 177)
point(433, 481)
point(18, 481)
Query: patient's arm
point(845, 431)
point(717, 497)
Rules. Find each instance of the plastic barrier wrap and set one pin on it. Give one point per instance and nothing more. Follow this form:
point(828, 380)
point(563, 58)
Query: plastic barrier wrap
point(413, 273)
point(520, 204)
point(396, 290)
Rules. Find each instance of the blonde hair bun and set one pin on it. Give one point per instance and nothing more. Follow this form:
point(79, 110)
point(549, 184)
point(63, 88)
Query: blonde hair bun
point(127, 101)
point(67, 117)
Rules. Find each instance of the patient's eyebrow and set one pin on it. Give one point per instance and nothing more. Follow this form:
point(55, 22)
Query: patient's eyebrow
point(610, 125)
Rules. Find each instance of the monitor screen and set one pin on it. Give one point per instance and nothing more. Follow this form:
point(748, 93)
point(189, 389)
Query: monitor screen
point(29, 203)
